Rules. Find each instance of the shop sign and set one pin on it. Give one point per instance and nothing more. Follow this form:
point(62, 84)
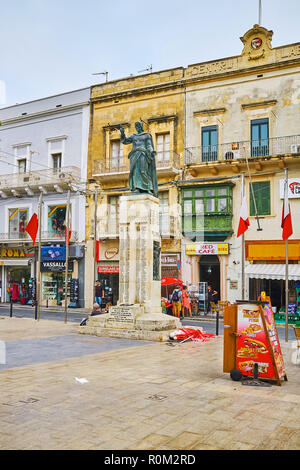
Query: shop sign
point(111, 252)
point(53, 253)
point(207, 249)
point(12, 253)
point(233, 284)
point(108, 269)
point(293, 188)
point(169, 259)
point(56, 266)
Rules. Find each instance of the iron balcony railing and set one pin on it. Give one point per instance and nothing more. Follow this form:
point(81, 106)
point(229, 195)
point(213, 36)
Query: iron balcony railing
point(163, 160)
point(244, 149)
point(49, 176)
point(45, 235)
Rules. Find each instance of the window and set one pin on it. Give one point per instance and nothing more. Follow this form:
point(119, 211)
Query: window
point(56, 161)
point(22, 165)
point(259, 137)
point(18, 219)
point(262, 195)
point(56, 220)
point(207, 204)
point(116, 155)
point(209, 140)
point(163, 147)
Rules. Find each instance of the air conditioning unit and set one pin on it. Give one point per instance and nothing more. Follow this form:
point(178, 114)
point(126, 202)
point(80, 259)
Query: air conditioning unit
point(295, 148)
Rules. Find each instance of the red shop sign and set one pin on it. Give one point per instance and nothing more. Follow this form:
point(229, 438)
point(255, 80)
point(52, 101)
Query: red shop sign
point(108, 269)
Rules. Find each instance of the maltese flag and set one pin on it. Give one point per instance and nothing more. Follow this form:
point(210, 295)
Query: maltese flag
point(244, 220)
point(286, 220)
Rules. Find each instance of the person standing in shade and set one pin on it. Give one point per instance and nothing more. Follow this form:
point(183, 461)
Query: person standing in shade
point(185, 302)
point(98, 294)
point(212, 296)
point(176, 301)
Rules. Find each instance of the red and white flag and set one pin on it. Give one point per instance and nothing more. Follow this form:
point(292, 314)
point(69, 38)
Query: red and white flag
point(286, 220)
point(244, 220)
point(32, 227)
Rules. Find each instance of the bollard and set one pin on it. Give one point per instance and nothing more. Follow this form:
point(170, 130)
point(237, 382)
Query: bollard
point(217, 323)
point(11, 307)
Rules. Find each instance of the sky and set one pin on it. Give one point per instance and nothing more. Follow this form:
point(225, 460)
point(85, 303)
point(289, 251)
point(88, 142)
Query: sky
point(54, 46)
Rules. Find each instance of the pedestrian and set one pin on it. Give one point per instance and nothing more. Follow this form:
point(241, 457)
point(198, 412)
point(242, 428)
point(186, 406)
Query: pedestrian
point(212, 296)
point(98, 294)
point(96, 311)
point(185, 302)
point(176, 301)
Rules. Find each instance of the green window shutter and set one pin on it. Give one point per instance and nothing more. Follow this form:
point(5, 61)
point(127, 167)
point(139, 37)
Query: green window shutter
point(262, 194)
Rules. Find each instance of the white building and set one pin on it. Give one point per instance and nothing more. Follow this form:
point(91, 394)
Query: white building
point(43, 149)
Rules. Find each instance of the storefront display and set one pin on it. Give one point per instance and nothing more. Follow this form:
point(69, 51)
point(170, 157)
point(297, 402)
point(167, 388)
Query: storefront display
point(53, 287)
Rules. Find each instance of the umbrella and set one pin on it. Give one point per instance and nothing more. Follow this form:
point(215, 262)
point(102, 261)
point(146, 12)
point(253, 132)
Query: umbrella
point(167, 281)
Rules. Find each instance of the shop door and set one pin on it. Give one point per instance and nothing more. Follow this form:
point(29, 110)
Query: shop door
point(209, 266)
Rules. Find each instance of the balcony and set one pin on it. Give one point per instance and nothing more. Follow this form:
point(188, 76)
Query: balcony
point(17, 237)
point(167, 163)
point(264, 148)
point(31, 183)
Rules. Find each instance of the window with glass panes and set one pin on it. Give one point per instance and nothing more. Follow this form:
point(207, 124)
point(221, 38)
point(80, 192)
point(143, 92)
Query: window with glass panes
point(202, 202)
point(116, 154)
point(262, 196)
point(163, 147)
point(259, 137)
point(209, 143)
point(18, 219)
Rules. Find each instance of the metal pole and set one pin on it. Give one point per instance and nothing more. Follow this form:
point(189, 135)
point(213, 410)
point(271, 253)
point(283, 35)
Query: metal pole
point(243, 244)
point(217, 323)
point(95, 241)
point(67, 256)
point(286, 267)
point(259, 12)
point(38, 287)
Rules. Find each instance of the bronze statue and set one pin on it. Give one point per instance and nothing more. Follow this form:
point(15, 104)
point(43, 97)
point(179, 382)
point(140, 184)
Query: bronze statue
point(142, 177)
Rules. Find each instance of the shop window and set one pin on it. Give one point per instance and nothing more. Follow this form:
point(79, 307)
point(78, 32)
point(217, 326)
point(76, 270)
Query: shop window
point(116, 154)
point(209, 143)
point(259, 137)
point(262, 196)
point(56, 220)
point(163, 147)
point(18, 219)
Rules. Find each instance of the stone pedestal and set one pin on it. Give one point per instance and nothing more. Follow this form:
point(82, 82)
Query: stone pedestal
point(138, 313)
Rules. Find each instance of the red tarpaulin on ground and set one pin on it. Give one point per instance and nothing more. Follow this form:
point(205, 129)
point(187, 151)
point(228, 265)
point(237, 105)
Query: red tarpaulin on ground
point(182, 334)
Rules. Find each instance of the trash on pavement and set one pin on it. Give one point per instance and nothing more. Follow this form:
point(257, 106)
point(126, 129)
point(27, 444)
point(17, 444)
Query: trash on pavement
point(82, 381)
point(190, 334)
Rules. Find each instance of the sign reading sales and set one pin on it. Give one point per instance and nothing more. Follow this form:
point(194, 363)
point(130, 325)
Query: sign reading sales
point(207, 249)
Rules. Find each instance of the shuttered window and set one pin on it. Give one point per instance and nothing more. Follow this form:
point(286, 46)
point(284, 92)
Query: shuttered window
point(262, 195)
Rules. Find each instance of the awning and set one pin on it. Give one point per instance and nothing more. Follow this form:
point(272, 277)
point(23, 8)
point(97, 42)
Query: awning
point(272, 271)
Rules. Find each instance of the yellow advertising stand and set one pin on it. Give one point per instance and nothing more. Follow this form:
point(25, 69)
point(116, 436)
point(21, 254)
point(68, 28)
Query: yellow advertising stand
point(251, 344)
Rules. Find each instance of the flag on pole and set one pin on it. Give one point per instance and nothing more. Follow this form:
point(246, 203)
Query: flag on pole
point(66, 235)
point(32, 227)
point(244, 220)
point(286, 220)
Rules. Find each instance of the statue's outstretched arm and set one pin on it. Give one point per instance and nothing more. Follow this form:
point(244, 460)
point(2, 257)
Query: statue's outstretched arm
point(125, 140)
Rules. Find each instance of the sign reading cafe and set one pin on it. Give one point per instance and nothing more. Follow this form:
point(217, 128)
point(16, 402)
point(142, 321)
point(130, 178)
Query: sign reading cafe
point(207, 249)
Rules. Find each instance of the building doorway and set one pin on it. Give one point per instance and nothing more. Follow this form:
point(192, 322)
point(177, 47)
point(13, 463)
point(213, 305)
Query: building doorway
point(209, 266)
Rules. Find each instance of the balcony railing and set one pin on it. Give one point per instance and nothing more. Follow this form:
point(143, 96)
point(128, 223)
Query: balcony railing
point(45, 235)
point(47, 177)
point(244, 149)
point(163, 160)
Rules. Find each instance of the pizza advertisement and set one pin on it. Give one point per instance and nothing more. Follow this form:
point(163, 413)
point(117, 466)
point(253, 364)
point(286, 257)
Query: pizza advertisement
point(273, 337)
point(252, 342)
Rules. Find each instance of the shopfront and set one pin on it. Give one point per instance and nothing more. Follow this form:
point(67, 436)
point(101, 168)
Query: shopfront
point(17, 265)
point(53, 268)
point(170, 265)
point(108, 269)
point(266, 272)
point(209, 265)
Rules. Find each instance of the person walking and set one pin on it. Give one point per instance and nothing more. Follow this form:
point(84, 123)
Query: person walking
point(176, 302)
point(98, 294)
point(212, 296)
point(185, 302)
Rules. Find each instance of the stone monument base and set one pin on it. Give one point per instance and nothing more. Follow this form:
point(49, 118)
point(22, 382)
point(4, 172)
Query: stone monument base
point(130, 321)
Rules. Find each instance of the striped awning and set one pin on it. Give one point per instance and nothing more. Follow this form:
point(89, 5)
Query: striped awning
point(272, 271)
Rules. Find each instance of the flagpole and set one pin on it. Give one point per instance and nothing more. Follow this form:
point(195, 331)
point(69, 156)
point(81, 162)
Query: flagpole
point(38, 290)
point(243, 244)
point(286, 268)
point(67, 256)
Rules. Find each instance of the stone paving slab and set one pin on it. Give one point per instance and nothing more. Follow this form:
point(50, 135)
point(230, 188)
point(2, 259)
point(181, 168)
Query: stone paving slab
point(149, 397)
